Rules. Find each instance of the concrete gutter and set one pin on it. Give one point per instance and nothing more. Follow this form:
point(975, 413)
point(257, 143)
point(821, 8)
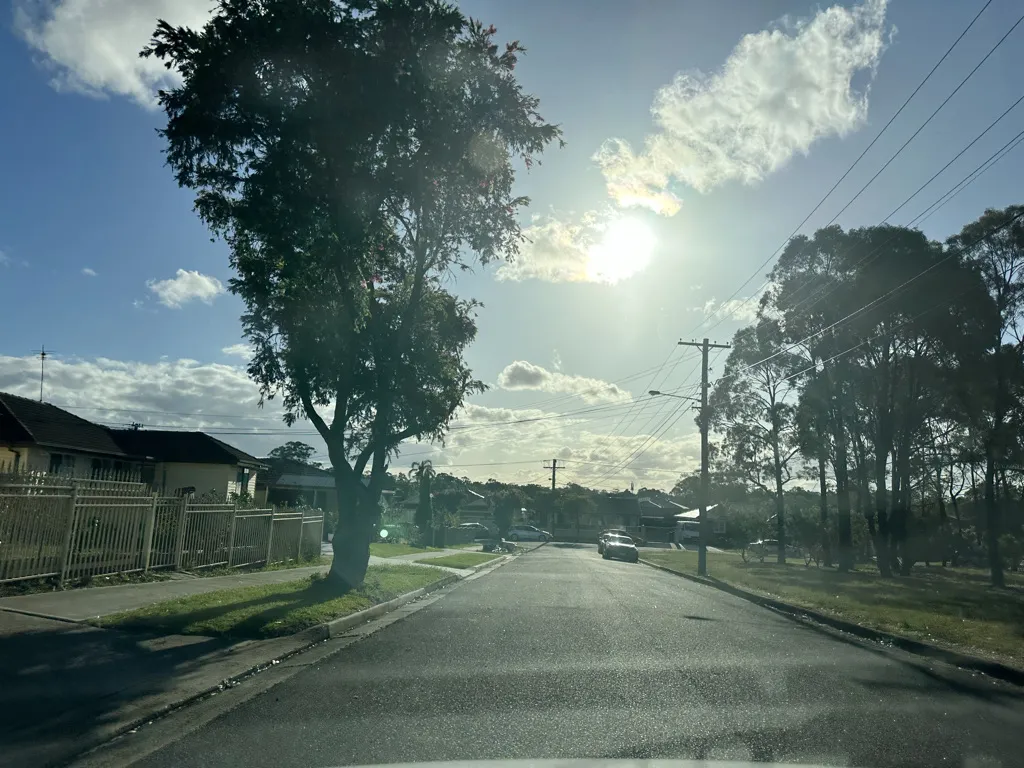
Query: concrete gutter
point(819, 620)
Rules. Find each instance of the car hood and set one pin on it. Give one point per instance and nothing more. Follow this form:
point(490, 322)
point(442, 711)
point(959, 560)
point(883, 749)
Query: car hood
point(596, 763)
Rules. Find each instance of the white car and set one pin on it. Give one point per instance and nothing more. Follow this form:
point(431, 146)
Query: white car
point(528, 533)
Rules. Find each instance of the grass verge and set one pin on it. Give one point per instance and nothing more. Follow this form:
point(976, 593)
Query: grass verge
point(461, 560)
point(951, 607)
point(388, 549)
point(270, 610)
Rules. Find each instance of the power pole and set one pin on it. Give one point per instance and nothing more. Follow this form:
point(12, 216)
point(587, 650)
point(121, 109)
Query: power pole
point(553, 466)
point(702, 541)
point(42, 354)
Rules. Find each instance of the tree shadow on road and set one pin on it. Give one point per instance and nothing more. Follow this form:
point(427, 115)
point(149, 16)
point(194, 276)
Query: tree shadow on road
point(64, 682)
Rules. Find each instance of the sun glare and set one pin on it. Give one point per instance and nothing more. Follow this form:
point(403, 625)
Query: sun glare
point(625, 249)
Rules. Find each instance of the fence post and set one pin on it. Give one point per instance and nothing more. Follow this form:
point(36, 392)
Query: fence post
point(179, 543)
point(147, 537)
point(69, 535)
point(270, 534)
point(320, 536)
point(231, 536)
point(302, 528)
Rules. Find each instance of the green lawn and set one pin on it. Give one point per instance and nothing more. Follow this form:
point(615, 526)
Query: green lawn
point(461, 560)
point(387, 549)
point(952, 607)
point(271, 610)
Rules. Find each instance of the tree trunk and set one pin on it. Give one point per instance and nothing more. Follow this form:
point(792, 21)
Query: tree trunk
point(780, 503)
point(844, 529)
point(826, 544)
point(992, 518)
point(357, 519)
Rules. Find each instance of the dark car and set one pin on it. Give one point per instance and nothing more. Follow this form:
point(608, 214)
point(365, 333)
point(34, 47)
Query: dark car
point(618, 547)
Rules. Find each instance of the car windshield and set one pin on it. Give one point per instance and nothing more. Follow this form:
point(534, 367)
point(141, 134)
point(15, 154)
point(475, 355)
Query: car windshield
point(308, 306)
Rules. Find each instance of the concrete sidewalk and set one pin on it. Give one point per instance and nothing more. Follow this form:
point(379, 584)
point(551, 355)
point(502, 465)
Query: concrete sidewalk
point(88, 603)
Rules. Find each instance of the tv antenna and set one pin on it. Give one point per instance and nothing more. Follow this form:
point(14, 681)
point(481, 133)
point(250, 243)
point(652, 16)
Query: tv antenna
point(42, 354)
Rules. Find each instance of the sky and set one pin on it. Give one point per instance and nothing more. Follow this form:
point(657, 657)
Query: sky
point(699, 136)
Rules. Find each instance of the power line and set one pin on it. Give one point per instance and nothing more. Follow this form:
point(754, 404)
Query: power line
point(965, 181)
point(852, 166)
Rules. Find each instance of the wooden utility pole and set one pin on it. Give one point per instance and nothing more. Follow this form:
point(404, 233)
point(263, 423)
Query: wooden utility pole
point(702, 541)
point(553, 466)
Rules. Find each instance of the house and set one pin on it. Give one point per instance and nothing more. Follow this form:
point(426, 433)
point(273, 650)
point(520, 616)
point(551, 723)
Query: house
point(287, 482)
point(180, 462)
point(37, 436)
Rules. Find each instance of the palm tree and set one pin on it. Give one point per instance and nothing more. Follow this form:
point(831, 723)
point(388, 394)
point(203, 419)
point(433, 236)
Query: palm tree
point(423, 472)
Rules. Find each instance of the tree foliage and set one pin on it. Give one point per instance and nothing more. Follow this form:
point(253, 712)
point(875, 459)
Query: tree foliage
point(903, 360)
point(294, 450)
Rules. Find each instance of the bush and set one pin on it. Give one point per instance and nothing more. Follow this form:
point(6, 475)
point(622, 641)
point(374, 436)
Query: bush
point(1012, 549)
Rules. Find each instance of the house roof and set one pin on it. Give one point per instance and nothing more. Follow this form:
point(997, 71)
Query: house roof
point(29, 421)
point(289, 473)
point(183, 447)
point(693, 514)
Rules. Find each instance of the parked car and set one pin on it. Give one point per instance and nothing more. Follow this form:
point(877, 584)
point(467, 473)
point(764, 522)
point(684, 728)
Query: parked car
point(616, 532)
point(528, 533)
point(477, 528)
point(618, 547)
point(768, 548)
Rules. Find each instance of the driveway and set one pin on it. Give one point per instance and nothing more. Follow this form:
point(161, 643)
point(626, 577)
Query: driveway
point(560, 654)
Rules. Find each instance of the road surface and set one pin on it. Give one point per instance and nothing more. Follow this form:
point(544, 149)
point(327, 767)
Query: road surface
point(561, 654)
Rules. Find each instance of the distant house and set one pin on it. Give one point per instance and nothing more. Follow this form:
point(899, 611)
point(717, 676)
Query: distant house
point(179, 463)
point(286, 482)
point(42, 437)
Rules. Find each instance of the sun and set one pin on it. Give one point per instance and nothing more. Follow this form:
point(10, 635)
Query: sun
point(625, 249)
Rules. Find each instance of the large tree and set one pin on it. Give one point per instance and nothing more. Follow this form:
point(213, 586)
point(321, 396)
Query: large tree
point(351, 155)
point(994, 245)
point(293, 450)
point(754, 404)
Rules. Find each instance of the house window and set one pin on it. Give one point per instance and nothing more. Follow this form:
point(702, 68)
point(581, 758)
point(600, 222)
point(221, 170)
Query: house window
point(62, 463)
point(242, 478)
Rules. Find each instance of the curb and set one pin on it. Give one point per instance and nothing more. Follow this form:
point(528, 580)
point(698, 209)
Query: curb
point(339, 626)
point(812, 618)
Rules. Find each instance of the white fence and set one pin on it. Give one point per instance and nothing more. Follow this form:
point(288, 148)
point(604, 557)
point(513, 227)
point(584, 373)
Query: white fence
point(53, 526)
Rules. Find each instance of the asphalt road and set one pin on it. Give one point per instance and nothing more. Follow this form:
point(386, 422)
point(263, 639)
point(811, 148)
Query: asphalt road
point(561, 654)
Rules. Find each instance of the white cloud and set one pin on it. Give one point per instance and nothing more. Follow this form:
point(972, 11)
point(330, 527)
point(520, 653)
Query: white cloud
point(183, 394)
point(243, 351)
point(741, 310)
point(779, 91)
point(524, 375)
point(595, 248)
point(5, 260)
point(88, 272)
point(92, 46)
point(186, 286)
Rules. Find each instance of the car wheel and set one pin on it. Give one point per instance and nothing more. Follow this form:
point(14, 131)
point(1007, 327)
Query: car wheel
point(514, 537)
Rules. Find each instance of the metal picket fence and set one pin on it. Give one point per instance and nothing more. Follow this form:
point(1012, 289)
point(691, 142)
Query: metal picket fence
point(70, 528)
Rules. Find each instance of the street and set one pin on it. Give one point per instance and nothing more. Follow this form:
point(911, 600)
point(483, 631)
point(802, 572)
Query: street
point(561, 654)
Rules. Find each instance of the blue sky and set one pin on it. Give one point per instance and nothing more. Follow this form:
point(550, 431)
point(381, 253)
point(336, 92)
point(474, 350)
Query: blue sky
point(83, 187)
